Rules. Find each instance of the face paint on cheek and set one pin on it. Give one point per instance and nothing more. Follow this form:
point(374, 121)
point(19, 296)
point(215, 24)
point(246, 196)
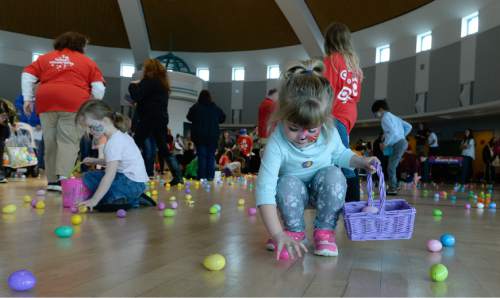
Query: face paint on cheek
point(96, 129)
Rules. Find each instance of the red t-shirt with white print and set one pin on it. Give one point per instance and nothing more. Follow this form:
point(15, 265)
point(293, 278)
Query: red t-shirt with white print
point(65, 80)
point(346, 88)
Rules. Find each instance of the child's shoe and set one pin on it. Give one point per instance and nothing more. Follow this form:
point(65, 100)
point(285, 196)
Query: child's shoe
point(324, 243)
point(297, 236)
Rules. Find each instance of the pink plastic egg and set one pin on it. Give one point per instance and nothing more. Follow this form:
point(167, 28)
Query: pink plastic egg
point(74, 209)
point(40, 192)
point(252, 211)
point(434, 245)
point(467, 206)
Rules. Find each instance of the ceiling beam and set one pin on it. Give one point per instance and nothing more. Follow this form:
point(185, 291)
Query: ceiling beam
point(300, 18)
point(135, 25)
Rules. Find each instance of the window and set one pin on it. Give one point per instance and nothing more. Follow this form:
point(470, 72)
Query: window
point(383, 54)
point(127, 70)
point(238, 74)
point(470, 24)
point(273, 72)
point(203, 73)
point(424, 41)
point(35, 56)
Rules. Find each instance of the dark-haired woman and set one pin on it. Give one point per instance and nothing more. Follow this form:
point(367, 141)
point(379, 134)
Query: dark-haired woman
point(67, 78)
point(206, 117)
point(151, 95)
point(468, 147)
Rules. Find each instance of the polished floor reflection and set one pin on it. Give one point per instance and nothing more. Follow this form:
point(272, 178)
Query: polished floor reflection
point(146, 254)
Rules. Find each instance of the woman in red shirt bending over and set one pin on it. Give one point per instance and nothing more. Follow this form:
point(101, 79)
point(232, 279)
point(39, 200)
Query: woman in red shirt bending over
point(345, 75)
point(67, 79)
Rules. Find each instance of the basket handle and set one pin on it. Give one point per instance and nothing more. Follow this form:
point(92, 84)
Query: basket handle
point(381, 188)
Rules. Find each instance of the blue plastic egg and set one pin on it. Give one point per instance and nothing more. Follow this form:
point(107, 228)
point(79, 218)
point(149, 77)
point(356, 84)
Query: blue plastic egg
point(448, 240)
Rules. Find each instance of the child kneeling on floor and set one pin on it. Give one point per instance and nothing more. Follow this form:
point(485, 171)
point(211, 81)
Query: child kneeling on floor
point(122, 183)
point(301, 165)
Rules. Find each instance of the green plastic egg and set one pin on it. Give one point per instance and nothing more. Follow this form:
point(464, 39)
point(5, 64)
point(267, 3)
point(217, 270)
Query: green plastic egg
point(64, 231)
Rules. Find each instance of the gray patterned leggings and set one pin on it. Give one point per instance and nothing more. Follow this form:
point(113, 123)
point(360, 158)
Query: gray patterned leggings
point(326, 193)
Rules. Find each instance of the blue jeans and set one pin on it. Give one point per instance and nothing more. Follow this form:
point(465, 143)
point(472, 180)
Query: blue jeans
point(344, 136)
point(326, 193)
point(206, 161)
point(149, 155)
point(121, 188)
point(398, 149)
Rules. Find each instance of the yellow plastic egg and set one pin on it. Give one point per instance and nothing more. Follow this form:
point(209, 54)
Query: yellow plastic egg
point(82, 209)
point(27, 199)
point(9, 209)
point(154, 192)
point(241, 202)
point(214, 262)
point(40, 205)
point(172, 198)
point(76, 219)
point(189, 197)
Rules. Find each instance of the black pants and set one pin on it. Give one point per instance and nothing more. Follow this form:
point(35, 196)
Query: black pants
point(489, 173)
point(2, 148)
point(466, 169)
point(159, 133)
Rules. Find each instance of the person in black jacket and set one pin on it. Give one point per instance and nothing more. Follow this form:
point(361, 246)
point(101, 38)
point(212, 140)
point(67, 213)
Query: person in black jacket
point(206, 117)
point(151, 95)
point(488, 158)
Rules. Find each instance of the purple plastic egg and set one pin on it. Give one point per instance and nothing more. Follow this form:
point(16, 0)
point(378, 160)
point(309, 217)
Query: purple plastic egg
point(40, 192)
point(161, 206)
point(252, 211)
point(188, 191)
point(74, 209)
point(174, 205)
point(467, 206)
point(22, 280)
point(33, 203)
point(121, 213)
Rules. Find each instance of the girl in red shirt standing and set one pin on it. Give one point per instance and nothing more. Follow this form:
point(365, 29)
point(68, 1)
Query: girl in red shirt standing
point(345, 75)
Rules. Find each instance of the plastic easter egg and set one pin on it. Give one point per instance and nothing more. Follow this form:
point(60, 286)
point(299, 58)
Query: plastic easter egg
point(218, 206)
point(437, 212)
point(213, 210)
point(154, 192)
point(33, 203)
point(467, 206)
point(252, 211)
point(169, 213)
point(174, 205)
point(40, 205)
point(493, 205)
point(214, 262)
point(439, 272)
point(27, 199)
point(434, 245)
point(121, 213)
point(187, 191)
point(172, 198)
point(82, 209)
point(9, 209)
point(161, 206)
point(448, 240)
point(241, 202)
point(40, 192)
point(21, 280)
point(370, 209)
point(188, 197)
point(148, 193)
point(76, 219)
point(73, 209)
point(64, 231)
point(480, 205)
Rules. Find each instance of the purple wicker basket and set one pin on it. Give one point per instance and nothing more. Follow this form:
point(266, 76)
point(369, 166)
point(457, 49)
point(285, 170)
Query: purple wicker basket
point(395, 219)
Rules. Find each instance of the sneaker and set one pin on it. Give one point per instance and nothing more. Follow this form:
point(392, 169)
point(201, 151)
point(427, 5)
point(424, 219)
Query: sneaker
point(392, 191)
point(54, 186)
point(174, 182)
point(3, 180)
point(324, 243)
point(297, 236)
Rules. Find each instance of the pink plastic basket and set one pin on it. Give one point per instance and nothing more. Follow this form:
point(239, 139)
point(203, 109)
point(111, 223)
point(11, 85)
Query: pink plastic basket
point(74, 191)
point(395, 219)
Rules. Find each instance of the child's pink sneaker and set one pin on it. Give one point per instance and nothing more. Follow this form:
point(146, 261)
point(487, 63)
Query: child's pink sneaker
point(324, 243)
point(297, 236)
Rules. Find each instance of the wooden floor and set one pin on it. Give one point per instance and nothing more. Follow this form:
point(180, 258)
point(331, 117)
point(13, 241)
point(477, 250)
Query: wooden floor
point(146, 254)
